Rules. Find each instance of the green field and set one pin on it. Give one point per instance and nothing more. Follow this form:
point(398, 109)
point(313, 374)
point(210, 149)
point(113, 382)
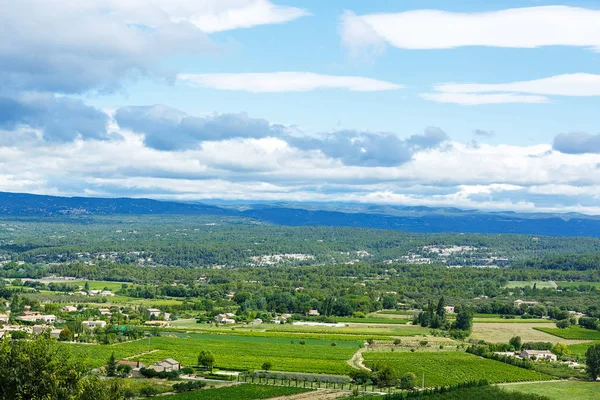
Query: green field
point(566, 390)
point(581, 348)
point(538, 284)
point(446, 368)
point(235, 352)
point(237, 392)
point(572, 333)
point(577, 284)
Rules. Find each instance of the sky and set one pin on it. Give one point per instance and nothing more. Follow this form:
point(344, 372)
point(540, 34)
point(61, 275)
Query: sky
point(489, 105)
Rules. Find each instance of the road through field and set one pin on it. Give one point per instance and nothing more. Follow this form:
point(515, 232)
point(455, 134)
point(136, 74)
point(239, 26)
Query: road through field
point(316, 395)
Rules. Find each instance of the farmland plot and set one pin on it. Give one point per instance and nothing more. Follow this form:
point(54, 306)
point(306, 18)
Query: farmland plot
point(446, 368)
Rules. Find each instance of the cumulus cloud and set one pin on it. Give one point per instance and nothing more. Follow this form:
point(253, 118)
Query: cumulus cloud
point(58, 119)
point(533, 91)
point(370, 149)
point(73, 47)
point(276, 82)
point(434, 29)
point(166, 128)
point(577, 143)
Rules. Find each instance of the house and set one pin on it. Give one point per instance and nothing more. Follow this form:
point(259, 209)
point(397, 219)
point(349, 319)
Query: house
point(94, 292)
point(93, 324)
point(449, 309)
point(33, 318)
point(519, 303)
point(167, 365)
point(256, 321)
point(153, 312)
point(30, 313)
point(69, 309)
point(37, 329)
point(80, 293)
point(105, 311)
point(313, 313)
point(284, 317)
point(3, 319)
point(538, 355)
point(225, 318)
point(106, 293)
point(167, 316)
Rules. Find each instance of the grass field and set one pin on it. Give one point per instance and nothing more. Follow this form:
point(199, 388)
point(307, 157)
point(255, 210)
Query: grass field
point(538, 284)
point(446, 368)
point(577, 284)
point(495, 332)
point(237, 392)
point(566, 390)
point(373, 320)
point(581, 348)
point(235, 352)
point(572, 333)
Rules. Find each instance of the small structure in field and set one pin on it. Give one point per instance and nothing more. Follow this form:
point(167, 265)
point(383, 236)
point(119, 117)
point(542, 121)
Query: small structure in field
point(536, 355)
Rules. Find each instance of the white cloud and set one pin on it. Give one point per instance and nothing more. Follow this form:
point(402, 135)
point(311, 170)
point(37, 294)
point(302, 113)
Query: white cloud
point(533, 91)
point(81, 46)
point(277, 82)
point(433, 29)
point(471, 99)
point(220, 15)
point(580, 84)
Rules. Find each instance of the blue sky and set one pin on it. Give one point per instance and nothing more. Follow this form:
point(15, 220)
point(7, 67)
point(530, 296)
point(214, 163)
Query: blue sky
point(490, 105)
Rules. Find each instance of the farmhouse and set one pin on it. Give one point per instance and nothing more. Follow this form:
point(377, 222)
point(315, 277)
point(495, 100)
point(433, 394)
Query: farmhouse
point(69, 309)
point(153, 312)
point(167, 365)
point(313, 313)
point(93, 324)
point(449, 309)
point(105, 311)
point(33, 318)
point(225, 318)
point(3, 319)
point(256, 321)
point(538, 355)
point(55, 333)
point(30, 313)
point(519, 303)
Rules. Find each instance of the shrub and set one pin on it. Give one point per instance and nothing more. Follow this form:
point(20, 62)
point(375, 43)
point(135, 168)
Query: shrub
point(408, 381)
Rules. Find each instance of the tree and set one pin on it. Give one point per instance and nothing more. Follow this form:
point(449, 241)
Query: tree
point(206, 359)
point(86, 286)
point(464, 320)
point(408, 381)
point(111, 366)
point(42, 369)
point(563, 324)
point(385, 376)
point(65, 335)
point(561, 350)
point(515, 342)
point(124, 370)
point(592, 361)
point(267, 366)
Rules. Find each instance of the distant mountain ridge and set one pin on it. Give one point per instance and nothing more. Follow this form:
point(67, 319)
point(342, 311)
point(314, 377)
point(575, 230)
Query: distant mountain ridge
point(411, 219)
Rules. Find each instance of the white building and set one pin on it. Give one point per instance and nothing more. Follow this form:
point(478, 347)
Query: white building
point(69, 309)
point(538, 355)
point(153, 312)
point(519, 303)
point(33, 318)
point(3, 318)
point(93, 324)
point(313, 313)
point(449, 309)
point(225, 318)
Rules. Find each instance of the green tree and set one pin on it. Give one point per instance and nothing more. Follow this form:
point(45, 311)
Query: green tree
point(515, 342)
point(408, 381)
point(267, 366)
point(111, 366)
point(561, 350)
point(65, 335)
point(206, 359)
point(592, 361)
point(42, 369)
point(385, 376)
point(464, 320)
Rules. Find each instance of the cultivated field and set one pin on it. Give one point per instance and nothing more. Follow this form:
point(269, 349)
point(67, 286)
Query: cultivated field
point(446, 368)
point(231, 351)
point(573, 333)
point(237, 392)
point(502, 332)
point(567, 390)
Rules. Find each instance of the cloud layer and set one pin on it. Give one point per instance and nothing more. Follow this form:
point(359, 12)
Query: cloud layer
point(277, 82)
point(534, 91)
point(433, 29)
